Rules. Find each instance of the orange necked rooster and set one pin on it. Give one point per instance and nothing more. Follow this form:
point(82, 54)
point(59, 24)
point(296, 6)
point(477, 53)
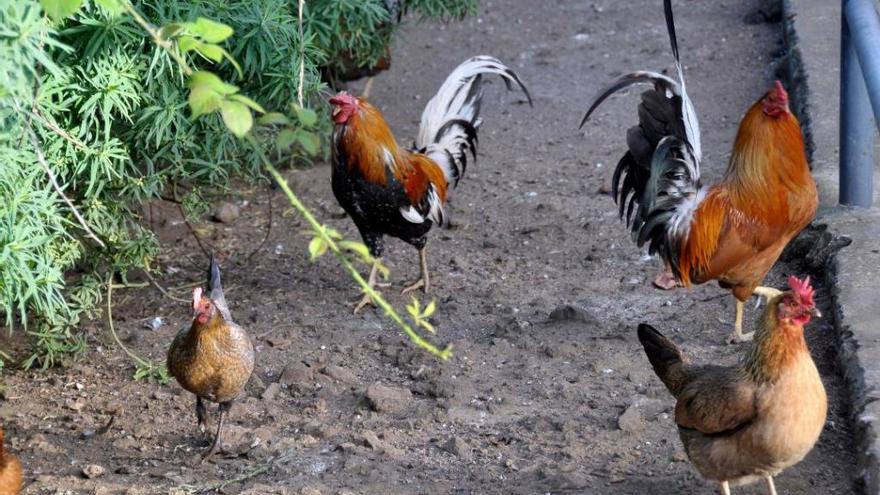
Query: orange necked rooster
point(732, 231)
point(389, 190)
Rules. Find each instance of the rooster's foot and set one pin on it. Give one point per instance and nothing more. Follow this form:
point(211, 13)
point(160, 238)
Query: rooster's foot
point(421, 283)
point(372, 282)
point(424, 282)
point(665, 280)
point(359, 304)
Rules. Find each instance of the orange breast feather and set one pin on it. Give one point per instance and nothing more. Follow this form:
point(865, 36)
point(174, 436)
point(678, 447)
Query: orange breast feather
point(422, 172)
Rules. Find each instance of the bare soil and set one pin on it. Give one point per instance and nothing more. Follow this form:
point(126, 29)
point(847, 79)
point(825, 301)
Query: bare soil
point(529, 403)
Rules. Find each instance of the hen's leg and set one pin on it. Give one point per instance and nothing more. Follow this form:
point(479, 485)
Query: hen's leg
point(424, 282)
point(725, 488)
point(771, 488)
point(224, 406)
point(360, 303)
point(738, 336)
point(201, 413)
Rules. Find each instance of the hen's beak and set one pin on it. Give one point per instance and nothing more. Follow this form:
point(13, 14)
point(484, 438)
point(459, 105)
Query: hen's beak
point(336, 110)
point(815, 312)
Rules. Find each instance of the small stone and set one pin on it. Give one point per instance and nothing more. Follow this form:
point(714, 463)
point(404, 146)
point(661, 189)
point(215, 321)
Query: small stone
point(388, 399)
point(161, 395)
point(371, 440)
point(567, 312)
point(457, 447)
point(271, 391)
point(298, 377)
point(344, 375)
point(40, 443)
point(74, 405)
point(154, 324)
point(631, 421)
point(93, 471)
point(226, 212)
point(310, 491)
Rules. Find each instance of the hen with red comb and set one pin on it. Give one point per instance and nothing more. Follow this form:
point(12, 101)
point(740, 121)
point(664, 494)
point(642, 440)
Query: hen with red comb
point(748, 422)
point(213, 358)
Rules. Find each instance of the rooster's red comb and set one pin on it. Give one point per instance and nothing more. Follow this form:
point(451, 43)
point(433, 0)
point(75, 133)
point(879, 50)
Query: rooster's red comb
point(802, 288)
point(343, 98)
point(780, 92)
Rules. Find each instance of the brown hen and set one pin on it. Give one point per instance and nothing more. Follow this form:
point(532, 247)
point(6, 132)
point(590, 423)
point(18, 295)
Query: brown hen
point(742, 423)
point(214, 357)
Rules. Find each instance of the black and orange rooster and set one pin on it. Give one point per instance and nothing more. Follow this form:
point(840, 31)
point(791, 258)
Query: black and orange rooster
point(732, 231)
point(388, 190)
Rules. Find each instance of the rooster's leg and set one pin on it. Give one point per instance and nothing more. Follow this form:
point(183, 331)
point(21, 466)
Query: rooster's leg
point(771, 488)
point(424, 282)
point(201, 413)
point(215, 446)
point(738, 336)
point(725, 488)
point(360, 303)
point(767, 292)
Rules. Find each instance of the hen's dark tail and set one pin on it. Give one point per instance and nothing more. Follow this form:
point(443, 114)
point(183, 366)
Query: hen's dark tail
point(215, 287)
point(665, 357)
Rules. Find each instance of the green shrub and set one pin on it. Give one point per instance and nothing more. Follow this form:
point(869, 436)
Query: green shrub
point(109, 110)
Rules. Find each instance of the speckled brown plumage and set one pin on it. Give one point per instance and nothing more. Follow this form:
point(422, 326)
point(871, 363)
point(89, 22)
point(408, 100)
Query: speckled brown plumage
point(214, 357)
point(10, 471)
point(750, 421)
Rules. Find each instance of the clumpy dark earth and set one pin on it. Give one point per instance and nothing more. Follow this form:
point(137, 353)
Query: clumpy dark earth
point(538, 285)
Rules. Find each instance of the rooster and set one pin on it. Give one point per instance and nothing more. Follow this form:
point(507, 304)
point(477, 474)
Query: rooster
point(10, 471)
point(214, 357)
point(388, 190)
point(742, 423)
point(732, 231)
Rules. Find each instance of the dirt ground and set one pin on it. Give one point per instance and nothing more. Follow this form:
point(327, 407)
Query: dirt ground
point(529, 404)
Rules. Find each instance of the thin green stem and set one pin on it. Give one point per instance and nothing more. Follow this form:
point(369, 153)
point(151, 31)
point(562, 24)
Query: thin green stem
point(139, 360)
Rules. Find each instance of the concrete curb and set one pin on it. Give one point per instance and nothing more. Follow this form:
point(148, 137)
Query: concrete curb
point(811, 68)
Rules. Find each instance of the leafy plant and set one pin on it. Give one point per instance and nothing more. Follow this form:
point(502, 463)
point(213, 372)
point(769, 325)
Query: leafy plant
point(113, 120)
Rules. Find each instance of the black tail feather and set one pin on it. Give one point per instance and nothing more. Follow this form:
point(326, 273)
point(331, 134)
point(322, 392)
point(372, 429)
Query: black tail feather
point(670, 26)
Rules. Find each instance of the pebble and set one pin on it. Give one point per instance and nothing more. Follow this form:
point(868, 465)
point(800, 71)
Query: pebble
point(371, 440)
point(567, 312)
point(344, 375)
point(226, 212)
point(298, 377)
point(385, 399)
point(459, 448)
point(93, 471)
point(271, 391)
point(631, 421)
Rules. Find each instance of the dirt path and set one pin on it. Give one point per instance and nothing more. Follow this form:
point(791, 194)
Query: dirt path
point(529, 404)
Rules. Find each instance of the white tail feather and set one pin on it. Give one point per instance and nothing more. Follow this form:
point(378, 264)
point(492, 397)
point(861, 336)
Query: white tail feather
point(451, 118)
